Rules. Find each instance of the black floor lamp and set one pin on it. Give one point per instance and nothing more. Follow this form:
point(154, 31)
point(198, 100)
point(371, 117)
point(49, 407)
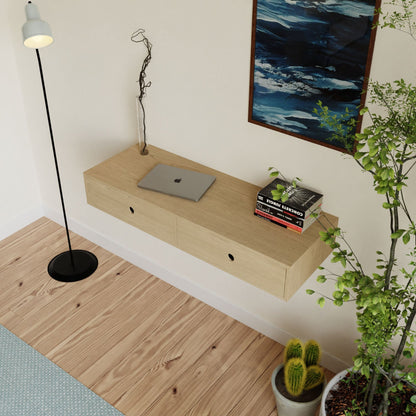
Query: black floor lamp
point(71, 265)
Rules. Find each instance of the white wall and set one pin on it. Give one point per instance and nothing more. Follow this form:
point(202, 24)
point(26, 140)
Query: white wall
point(197, 107)
point(20, 198)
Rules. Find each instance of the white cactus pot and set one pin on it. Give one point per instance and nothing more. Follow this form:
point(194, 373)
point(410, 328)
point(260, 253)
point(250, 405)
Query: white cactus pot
point(287, 407)
point(329, 387)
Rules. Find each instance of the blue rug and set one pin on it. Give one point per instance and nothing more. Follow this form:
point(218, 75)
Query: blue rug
point(31, 385)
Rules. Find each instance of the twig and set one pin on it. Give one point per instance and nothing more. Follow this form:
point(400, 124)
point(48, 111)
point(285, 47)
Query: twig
point(139, 37)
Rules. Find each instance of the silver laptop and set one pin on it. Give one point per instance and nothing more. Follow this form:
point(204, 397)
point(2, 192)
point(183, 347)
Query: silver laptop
point(177, 182)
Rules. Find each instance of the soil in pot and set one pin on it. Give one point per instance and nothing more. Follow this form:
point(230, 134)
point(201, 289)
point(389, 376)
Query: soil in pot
point(306, 396)
point(348, 392)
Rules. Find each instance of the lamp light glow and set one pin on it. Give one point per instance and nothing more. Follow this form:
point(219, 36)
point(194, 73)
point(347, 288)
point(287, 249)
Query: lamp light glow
point(36, 33)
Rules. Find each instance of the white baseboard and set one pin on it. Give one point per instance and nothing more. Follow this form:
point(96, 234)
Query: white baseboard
point(223, 305)
point(19, 221)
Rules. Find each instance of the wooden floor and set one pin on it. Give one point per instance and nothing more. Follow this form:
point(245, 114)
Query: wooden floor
point(142, 345)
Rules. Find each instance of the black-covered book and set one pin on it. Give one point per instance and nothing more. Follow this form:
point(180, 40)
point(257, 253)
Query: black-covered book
point(301, 203)
point(285, 216)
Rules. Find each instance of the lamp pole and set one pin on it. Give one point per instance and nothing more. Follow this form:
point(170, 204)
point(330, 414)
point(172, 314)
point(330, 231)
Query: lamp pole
point(45, 97)
point(71, 265)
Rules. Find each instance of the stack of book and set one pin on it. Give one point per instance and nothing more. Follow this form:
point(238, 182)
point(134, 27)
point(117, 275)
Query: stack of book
point(295, 213)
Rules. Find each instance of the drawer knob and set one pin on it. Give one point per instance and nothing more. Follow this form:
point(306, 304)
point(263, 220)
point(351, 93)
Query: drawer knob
point(230, 256)
point(132, 210)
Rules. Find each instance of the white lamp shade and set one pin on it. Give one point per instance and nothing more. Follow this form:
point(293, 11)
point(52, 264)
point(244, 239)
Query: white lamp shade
point(36, 33)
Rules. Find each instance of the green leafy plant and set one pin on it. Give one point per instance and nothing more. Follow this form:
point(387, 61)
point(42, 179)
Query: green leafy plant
point(356, 409)
point(301, 369)
point(385, 297)
point(282, 193)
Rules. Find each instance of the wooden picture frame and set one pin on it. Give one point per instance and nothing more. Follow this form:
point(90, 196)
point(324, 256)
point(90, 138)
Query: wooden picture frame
point(304, 52)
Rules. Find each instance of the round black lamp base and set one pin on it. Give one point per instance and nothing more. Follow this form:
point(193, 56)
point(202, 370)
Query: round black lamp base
point(61, 268)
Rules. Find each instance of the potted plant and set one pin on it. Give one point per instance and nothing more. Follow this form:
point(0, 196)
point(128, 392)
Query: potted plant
point(383, 377)
point(381, 382)
point(298, 382)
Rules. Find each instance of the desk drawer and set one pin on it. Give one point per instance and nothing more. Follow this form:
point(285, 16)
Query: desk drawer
point(134, 210)
point(236, 259)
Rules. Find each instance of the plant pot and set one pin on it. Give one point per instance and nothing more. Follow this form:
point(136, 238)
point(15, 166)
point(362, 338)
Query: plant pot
point(329, 387)
point(288, 407)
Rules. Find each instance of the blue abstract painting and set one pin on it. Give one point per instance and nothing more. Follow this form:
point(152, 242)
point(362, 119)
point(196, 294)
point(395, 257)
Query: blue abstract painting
point(304, 51)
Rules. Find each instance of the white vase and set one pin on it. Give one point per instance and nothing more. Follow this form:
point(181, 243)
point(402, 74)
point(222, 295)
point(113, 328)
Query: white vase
point(329, 387)
point(287, 407)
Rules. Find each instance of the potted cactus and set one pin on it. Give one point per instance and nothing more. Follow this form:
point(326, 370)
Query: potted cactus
point(298, 382)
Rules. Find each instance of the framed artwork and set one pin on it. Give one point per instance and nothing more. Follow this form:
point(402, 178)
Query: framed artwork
point(304, 51)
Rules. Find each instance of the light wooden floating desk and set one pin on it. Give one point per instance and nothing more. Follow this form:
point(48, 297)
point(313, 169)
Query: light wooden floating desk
point(220, 229)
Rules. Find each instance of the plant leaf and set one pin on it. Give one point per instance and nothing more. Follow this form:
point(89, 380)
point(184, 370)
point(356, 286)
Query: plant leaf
point(397, 234)
point(406, 237)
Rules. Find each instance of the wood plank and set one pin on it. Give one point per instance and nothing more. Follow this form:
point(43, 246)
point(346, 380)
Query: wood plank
point(258, 400)
point(52, 294)
point(22, 235)
point(184, 392)
point(33, 326)
point(171, 361)
point(16, 283)
point(144, 346)
point(15, 259)
point(56, 330)
point(110, 328)
point(158, 351)
point(149, 319)
point(234, 384)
